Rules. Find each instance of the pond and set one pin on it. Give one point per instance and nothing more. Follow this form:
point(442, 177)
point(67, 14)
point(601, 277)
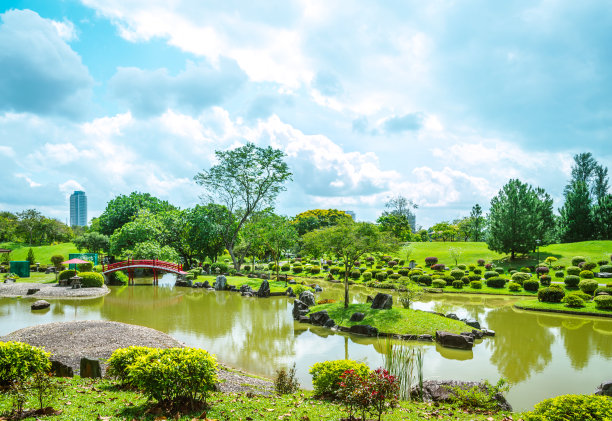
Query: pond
point(542, 355)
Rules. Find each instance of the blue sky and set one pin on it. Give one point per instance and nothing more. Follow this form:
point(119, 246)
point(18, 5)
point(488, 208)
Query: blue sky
point(439, 101)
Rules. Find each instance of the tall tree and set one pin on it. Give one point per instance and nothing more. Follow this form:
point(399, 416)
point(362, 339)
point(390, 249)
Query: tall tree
point(602, 218)
point(245, 179)
point(318, 218)
point(350, 241)
point(477, 223)
point(29, 221)
point(399, 218)
point(93, 242)
point(601, 184)
point(279, 236)
point(123, 209)
point(576, 222)
point(514, 219)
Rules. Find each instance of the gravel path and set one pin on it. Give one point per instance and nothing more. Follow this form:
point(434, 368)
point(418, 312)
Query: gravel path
point(50, 291)
point(69, 341)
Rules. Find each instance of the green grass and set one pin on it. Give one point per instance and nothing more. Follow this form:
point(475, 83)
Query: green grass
point(86, 399)
point(37, 278)
point(41, 253)
point(395, 320)
point(254, 283)
point(536, 305)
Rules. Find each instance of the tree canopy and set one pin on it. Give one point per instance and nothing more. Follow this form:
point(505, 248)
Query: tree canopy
point(399, 218)
point(319, 218)
point(123, 209)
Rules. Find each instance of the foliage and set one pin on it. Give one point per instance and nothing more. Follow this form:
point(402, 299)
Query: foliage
point(588, 286)
point(175, 375)
point(20, 361)
point(57, 260)
point(586, 274)
point(31, 257)
point(122, 358)
point(399, 218)
point(85, 267)
point(123, 209)
point(576, 260)
point(326, 375)
point(490, 274)
point(572, 408)
point(513, 286)
point(496, 282)
point(381, 389)
point(520, 277)
point(550, 295)
point(605, 268)
point(545, 280)
point(150, 250)
point(457, 284)
point(573, 300)
point(91, 279)
point(480, 397)
point(318, 218)
point(117, 278)
point(438, 283)
point(476, 284)
point(285, 381)
point(576, 222)
point(603, 302)
point(93, 242)
point(431, 260)
point(279, 236)
point(67, 274)
point(573, 270)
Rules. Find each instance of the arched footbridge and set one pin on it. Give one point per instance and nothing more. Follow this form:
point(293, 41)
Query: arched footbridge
point(131, 264)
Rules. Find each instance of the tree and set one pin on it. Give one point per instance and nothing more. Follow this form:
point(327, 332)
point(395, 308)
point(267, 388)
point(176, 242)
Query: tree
point(279, 236)
point(57, 260)
point(601, 185)
point(602, 218)
point(146, 227)
point(349, 241)
point(409, 294)
point(93, 242)
point(318, 218)
point(477, 223)
point(576, 222)
point(123, 209)
point(31, 257)
point(246, 179)
point(444, 231)
point(29, 221)
point(399, 219)
point(204, 231)
point(515, 219)
point(8, 226)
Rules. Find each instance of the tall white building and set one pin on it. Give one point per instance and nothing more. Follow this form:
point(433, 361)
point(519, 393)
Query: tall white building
point(78, 209)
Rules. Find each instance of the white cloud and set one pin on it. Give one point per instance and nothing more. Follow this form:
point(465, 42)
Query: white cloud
point(65, 30)
point(30, 182)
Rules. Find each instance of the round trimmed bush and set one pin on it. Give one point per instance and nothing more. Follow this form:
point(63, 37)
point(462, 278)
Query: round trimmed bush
point(513, 286)
point(431, 260)
point(394, 276)
point(480, 262)
point(490, 274)
point(367, 276)
point(585, 297)
point(438, 283)
point(457, 273)
point(602, 262)
point(425, 279)
point(496, 282)
point(403, 280)
point(403, 271)
point(588, 286)
point(545, 280)
point(572, 407)
point(471, 267)
point(477, 271)
point(221, 266)
point(586, 274)
point(66, 274)
point(520, 277)
point(334, 270)
point(607, 290)
point(576, 260)
point(589, 265)
point(573, 270)
point(20, 361)
point(476, 284)
point(550, 295)
point(605, 268)
point(439, 267)
point(462, 267)
point(559, 274)
point(512, 272)
point(297, 268)
point(499, 270)
point(603, 302)
point(91, 279)
point(526, 269)
point(381, 276)
point(531, 285)
point(326, 375)
point(574, 301)
point(457, 284)
point(449, 279)
point(285, 267)
point(571, 281)
point(85, 267)
point(122, 358)
point(355, 274)
point(465, 280)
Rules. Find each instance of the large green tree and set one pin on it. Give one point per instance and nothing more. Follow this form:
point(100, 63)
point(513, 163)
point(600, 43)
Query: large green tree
point(279, 236)
point(399, 217)
point(30, 221)
point(245, 180)
point(477, 223)
point(349, 242)
point(93, 242)
point(520, 215)
point(576, 222)
point(123, 209)
point(602, 218)
point(318, 218)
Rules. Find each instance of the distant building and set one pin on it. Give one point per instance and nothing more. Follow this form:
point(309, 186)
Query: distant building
point(352, 214)
point(78, 209)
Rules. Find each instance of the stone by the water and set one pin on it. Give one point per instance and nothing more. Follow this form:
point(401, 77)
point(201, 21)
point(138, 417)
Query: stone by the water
point(220, 283)
point(364, 330)
point(452, 340)
point(604, 389)
point(264, 289)
point(382, 301)
point(441, 391)
point(319, 318)
point(308, 298)
point(32, 291)
point(40, 305)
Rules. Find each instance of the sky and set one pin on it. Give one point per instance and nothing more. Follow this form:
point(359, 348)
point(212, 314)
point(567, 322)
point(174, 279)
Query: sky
point(441, 102)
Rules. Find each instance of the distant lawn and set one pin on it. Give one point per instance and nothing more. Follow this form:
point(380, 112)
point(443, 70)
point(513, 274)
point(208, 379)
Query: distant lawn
point(37, 277)
point(589, 308)
point(254, 283)
point(41, 253)
point(396, 320)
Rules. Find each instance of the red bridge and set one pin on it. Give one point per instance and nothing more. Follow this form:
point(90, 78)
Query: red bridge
point(157, 265)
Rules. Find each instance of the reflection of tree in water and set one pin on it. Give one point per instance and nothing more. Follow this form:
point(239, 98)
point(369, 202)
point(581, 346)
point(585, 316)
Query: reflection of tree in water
point(520, 346)
point(602, 338)
point(576, 335)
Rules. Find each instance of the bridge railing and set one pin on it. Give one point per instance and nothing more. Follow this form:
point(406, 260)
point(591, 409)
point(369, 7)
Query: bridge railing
point(159, 264)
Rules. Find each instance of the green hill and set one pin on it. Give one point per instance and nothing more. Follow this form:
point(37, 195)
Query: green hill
point(41, 253)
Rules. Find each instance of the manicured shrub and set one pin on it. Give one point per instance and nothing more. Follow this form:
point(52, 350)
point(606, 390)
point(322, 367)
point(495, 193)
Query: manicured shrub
point(462, 267)
point(20, 361)
point(175, 376)
point(490, 274)
point(475, 278)
point(512, 272)
point(589, 266)
point(588, 286)
point(457, 284)
point(315, 269)
point(334, 270)
point(122, 358)
point(606, 289)
point(480, 262)
point(425, 279)
point(545, 280)
point(513, 286)
point(391, 263)
point(603, 302)
point(381, 276)
point(489, 266)
point(585, 297)
point(367, 276)
point(465, 280)
point(394, 276)
point(542, 270)
point(576, 260)
point(298, 268)
point(571, 281)
point(355, 274)
point(531, 285)
point(66, 274)
point(91, 279)
point(389, 271)
point(499, 270)
point(586, 274)
point(526, 269)
point(431, 260)
point(496, 282)
point(326, 375)
point(285, 267)
point(449, 279)
point(403, 271)
point(574, 301)
point(572, 408)
point(606, 268)
point(85, 267)
point(247, 268)
point(477, 271)
point(559, 274)
point(438, 283)
point(573, 270)
point(602, 262)
point(438, 267)
point(520, 277)
point(403, 280)
point(457, 273)
point(221, 266)
point(471, 267)
point(550, 295)
point(476, 284)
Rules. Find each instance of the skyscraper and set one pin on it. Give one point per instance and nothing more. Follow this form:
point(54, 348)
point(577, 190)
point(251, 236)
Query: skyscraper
point(78, 209)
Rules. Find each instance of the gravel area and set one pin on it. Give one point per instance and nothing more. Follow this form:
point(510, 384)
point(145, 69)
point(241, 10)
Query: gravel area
point(50, 291)
point(69, 341)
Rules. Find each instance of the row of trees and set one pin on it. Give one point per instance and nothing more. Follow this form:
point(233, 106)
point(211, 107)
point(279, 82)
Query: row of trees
point(32, 227)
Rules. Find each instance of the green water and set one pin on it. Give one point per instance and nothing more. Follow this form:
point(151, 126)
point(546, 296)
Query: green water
point(541, 355)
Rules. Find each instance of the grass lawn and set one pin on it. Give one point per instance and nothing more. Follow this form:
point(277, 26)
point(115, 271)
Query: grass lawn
point(488, 290)
point(396, 320)
point(41, 253)
point(38, 277)
point(589, 308)
point(254, 283)
point(87, 399)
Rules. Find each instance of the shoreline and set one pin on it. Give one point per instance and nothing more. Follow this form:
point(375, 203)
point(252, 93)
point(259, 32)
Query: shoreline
point(50, 291)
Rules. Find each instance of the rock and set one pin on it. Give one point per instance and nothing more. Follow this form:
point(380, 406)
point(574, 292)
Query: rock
point(319, 318)
point(206, 284)
point(452, 316)
point(478, 334)
point(330, 323)
point(604, 389)
point(252, 275)
point(308, 298)
point(357, 317)
point(298, 306)
point(197, 285)
point(90, 368)
point(364, 330)
point(290, 292)
point(264, 289)
point(382, 301)
point(291, 282)
point(304, 319)
point(317, 288)
point(32, 291)
point(221, 283)
point(425, 337)
point(369, 299)
point(40, 305)
point(603, 275)
point(473, 323)
point(246, 294)
point(183, 283)
point(264, 276)
point(439, 391)
point(452, 340)
point(59, 369)
point(233, 288)
point(246, 288)
point(488, 332)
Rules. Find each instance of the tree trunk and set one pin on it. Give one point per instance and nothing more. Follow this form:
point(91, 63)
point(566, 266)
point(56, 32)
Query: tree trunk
point(346, 286)
point(230, 249)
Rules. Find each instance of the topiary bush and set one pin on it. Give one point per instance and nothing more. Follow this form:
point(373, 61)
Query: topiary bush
point(589, 266)
point(462, 267)
point(572, 408)
point(91, 279)
point(586, 274)
point(431, 260)
point(605, 289)
point(438, 283)
point(477, 271)
point(571, 281)
point(355, 274)
point(465, 280)
point(403, 271)
point(298, 268)
point(531, 285)
point(381, 276)
point(496, 282)
point(457, 273)
point(573, 301)
point(573, 270)
point(221, 266)
point(526, 269)
point(588, 286)
point(513, 286)
point(425, 280)
point(476, 284)
point(490, 274)
point(480, 262)
point(438, 267)
point(458, 284)
point(285, 267)
point(576, 260)
point(334, 270)
point(326, 375)
point(367, 276)
point(121, 358)
point(85, 267)
point(545, 280)
point(20, 361)
point(315, 269)
point(175, 376)
point(605, 268)
point(66, 274)
point(550, 295)
point(603, 302)
point(559, 274)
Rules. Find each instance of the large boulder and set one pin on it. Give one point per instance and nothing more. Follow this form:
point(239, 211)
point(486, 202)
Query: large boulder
point(59, 369)
point(245, 288)
point(183, 283)
point(364, 330)
point(206, 284)
point(357, 317)
point(440, 391)
point(40, 305)
point(472, 322)
point(604, 389)
point(264, 289)
point(90, 368)
point(308, 298)
point(319, 318)
point(452, 340)
point(289, 292)
point(382, 301)
point(221, 283)
point(299, 309)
